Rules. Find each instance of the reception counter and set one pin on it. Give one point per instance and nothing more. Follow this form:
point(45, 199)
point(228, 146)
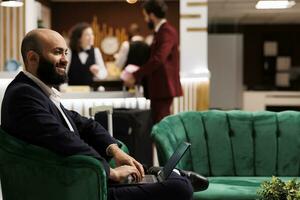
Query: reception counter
point(81, 102)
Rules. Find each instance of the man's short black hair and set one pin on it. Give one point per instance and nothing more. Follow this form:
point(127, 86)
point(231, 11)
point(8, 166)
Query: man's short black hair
point(31, 42)
point(157, 7)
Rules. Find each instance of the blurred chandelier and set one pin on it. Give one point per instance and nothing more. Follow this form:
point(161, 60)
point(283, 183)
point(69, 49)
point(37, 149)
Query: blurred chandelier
point(131, 1)
point(11, 3)
point(275, 4)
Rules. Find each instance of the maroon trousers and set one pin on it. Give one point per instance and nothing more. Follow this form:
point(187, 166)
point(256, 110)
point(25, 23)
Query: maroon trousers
point(160, 108)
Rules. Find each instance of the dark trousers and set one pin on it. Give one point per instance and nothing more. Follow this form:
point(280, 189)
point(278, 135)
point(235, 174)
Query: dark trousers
point(160, 108)
point(176, 187)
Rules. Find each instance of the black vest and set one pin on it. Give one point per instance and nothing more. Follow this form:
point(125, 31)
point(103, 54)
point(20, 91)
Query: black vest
point(139, 53)
point(79, 74)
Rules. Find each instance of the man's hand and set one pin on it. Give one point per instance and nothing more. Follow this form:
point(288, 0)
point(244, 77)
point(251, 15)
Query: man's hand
point(94, 69)
point(119, 174)
point(122, 158)
point(128, 78)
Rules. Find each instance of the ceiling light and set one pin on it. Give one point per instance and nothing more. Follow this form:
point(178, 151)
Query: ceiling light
point(273, 4)
point(11, 3)
point(131, 1)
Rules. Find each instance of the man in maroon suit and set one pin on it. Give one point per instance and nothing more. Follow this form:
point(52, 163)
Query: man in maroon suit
point(162, 69)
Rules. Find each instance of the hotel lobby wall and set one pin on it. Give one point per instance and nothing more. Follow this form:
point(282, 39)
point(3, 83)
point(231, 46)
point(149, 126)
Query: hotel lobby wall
point(117, 14)
point(288, 40)
point(226, 69)
point(193, 54)
point(254, 36)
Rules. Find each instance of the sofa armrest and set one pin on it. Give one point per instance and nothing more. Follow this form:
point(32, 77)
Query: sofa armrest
point(32, 172)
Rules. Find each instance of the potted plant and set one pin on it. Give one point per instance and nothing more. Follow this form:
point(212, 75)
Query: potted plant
point(276, 189)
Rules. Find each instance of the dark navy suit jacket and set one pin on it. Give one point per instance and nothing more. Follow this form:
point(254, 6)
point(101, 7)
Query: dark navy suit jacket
point(28, 114)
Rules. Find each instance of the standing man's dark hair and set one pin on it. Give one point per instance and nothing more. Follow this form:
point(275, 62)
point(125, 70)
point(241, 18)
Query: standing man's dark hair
point(157, 7)
point(133, 30)
point(75, 35)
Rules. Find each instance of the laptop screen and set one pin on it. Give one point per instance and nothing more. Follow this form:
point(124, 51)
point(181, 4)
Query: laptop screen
point(172, 162)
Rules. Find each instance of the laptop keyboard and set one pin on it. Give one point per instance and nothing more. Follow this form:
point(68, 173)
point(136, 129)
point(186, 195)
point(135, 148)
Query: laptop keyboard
point(149, 179)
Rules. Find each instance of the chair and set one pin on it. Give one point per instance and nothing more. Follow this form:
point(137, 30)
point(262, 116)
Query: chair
point(29, 172)
point(236, 150)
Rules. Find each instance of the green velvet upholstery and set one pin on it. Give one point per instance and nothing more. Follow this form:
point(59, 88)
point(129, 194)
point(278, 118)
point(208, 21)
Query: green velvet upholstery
point(237, 150)
point(29, 172)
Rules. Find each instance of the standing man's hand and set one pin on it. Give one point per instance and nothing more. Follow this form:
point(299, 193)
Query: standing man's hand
point(127, 75)
point(128, 78)
point(122, 158)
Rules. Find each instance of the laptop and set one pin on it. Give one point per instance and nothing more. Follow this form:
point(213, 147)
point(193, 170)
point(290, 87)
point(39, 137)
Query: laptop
point(164, 173)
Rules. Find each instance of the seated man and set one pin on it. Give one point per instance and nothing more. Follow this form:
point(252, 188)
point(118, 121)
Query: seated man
point(31, 111)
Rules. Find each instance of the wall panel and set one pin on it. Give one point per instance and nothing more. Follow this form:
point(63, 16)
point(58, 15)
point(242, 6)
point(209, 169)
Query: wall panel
point(12, 25)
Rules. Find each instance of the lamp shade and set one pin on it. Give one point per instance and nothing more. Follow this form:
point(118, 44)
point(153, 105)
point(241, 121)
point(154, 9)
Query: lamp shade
point(11, 3)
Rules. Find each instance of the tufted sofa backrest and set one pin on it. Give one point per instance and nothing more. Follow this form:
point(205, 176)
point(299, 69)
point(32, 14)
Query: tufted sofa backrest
point(233, 143)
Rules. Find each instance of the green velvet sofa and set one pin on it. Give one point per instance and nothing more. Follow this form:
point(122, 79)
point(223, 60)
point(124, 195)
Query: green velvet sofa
point(236, 150)
point(29, 172)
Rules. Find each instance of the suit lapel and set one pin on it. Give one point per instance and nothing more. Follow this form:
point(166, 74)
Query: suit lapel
point(157, 36)
point(70, 119)
point(21, 77)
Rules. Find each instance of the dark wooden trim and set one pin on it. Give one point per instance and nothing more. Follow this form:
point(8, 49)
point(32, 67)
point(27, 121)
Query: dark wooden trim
point(190, 16)
point(196, 29)
point(194, 3)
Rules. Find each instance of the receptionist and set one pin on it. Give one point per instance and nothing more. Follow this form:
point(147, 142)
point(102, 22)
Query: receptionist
point(85, 60)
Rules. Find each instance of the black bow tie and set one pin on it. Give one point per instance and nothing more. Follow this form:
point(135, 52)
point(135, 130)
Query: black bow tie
point(86, 51)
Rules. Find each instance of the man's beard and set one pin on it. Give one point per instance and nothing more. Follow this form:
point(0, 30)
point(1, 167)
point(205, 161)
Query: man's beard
point(47, 73)
point(150, 25)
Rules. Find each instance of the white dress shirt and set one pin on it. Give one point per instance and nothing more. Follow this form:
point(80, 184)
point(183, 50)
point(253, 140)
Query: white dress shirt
point(161, 22)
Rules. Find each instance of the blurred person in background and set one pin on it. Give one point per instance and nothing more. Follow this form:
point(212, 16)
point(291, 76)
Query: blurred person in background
point(86, 62)
point(133, 54)
point(162, 69)
point(134, 51)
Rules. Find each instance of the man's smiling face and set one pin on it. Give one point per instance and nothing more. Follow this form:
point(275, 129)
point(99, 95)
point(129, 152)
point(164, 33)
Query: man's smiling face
point(53, 59)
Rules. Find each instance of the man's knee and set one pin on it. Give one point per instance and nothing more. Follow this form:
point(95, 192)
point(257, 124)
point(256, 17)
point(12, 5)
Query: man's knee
point(185, 190)
point(180, 188)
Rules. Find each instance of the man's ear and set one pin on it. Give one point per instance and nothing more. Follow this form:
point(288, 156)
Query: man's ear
point(32, 57)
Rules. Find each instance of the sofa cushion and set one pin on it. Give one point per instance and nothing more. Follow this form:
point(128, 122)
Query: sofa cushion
point(233, 143)
point(233, 188)
point(265, 143)
point(240, 125)
point(218, 140)
point(288, 144)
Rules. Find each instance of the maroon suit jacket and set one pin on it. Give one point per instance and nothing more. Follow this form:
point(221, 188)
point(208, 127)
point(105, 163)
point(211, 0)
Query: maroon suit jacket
point(162, 69)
